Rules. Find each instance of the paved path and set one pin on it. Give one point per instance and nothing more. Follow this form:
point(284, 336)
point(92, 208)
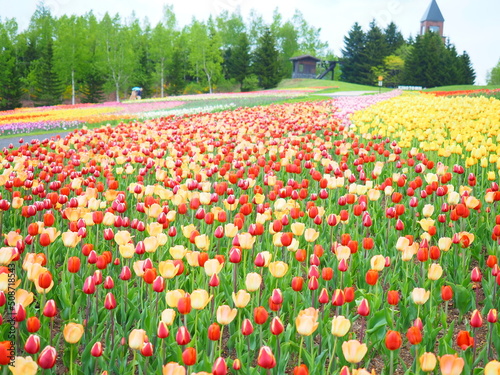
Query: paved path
point(5, 142)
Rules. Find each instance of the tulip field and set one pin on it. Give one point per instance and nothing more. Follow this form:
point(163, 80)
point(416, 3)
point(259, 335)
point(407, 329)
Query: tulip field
point(357, 235)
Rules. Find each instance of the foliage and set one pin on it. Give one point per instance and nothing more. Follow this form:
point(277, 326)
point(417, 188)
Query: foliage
point(494, 75)
point(266, 64)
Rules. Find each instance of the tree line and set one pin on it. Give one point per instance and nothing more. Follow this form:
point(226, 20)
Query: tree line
point(426, 61)
point(87, 59)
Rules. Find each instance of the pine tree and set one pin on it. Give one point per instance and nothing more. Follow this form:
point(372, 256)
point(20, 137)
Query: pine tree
point(10, 75)
point(393, 38)
point(352, 61)
point(373, 54)
point(239, 60)
point(92, 89)
point(467, 73)
point(266, 61)
point(48, 86)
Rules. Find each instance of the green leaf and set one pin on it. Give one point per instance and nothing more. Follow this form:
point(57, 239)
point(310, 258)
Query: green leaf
point(464, 299)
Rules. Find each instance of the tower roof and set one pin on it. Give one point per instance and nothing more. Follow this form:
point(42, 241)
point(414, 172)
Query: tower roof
point(433, 13)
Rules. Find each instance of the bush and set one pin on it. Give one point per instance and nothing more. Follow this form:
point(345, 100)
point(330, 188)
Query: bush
point(250, 83)
point(195, 88)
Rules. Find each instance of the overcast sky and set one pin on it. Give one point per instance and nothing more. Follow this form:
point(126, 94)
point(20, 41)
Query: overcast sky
point(472, 25)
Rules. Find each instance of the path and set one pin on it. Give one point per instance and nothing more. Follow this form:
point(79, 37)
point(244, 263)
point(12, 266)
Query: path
point(14, 140)
point(348, 93)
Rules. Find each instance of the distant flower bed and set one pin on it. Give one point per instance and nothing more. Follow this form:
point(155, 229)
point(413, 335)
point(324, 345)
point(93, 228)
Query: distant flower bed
point(464, 92)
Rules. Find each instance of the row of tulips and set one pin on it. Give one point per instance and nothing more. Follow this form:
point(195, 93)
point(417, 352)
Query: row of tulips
point(262, 240)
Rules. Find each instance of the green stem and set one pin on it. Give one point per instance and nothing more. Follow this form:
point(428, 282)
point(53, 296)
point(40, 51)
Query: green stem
point(300, 349)
point(332, 358)
point(392, 363)
point(220, 341)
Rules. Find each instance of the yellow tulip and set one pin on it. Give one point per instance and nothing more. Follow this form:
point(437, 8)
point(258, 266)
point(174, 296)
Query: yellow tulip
point(492, 368)
point(225, 314)
point(420, 296)
point(154, 228)
point(307, 321)
point(24, 366)
point(173, 296)
point(212, 266)
point(168, 316)
point(253, 281)
point(23, 297)
point(200, 298)
point(241, 299)
point(127, 251)
point(178, 251)
point(428, 210)
point(340, 326)
point(354, 351)
point(6, 255)
point(202, 242)
point(435, 272)
point(377, 262)
point(445, 243)
point(278, 269)
point(167, 269)
point(109, 219)
point(428, 362)
point(73, 332)
point(246, 240)
point(150, 244)
point(187, 230)
point(136, 339)
point(230, 230)
point(192, 258)
point(123, 237)
point(12, 237)
point(298, 228)
point(311, 235)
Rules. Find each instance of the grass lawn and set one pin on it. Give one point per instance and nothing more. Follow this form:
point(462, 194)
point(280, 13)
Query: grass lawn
point(463, 87)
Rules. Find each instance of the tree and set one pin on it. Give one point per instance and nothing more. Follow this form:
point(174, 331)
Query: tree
point(48, 86)
point(115, 44)
point(163, 38)
point(393, 38)
point(239, 62)
point(466, 70)
point(10, 77)
point(373, 54)
point(493, 77)
point(353, 65)
point(68, 50)
point(205, 55)
point(266, 63)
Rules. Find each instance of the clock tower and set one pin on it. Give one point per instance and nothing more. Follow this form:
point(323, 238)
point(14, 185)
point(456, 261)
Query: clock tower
point(432, 20)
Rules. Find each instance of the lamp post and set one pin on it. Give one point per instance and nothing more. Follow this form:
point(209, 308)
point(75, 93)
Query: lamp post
point(380, 83)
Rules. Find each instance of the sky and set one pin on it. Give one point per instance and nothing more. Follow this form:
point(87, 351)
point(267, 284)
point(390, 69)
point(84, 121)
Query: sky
point(471, 25)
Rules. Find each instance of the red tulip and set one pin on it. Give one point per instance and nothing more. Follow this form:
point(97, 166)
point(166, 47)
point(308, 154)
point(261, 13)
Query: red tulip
point(297, 283)
point(338, 297)
point(189, 356)
point(50, 309)
point(32, 345)
point(147, 349)
point(393, 297)
point(464, 340)
point(96, 350)
point(414, 335)
point(47, 358)
point(33, 324)
point(110, 301)
point(446, 293)
point(182, 337)
point(301, 370)
point(277, 326)
point(476, 320)
point(393, 340)
point(371, 277)
point(219, 367)
point(364, 308)
point(266, 358)
point(162, 332)
point(184, 304)
point(246, 327)
point(74, 264)
point(260, 315)
point(214, 332)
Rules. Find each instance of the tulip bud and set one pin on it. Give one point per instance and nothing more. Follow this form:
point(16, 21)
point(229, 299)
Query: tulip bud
point(182, 337)
point(364, 308)
point(237, 364)
point(33, 324)
point(147, 349)
point(110, 301)
point(266, 358)
point(393, 340)
point(492, 316)
point(414, 335)
point(393, 297)
point(338, 297)
point(32, 345)
point(214, 332)
point(96, 350)
point(260, 315)
point(47, 358)
point(276, 326)
point(476, 320)
point(297, 283)
point(50, 309)
point(189, 356)
point(246, 327)
point(219, 367)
